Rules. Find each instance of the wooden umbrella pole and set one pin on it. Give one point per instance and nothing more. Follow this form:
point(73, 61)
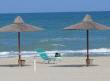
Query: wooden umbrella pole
point(19, 60)
point(87, 48)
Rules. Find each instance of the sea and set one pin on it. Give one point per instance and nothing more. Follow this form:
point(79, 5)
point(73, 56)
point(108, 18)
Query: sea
point(53, 39)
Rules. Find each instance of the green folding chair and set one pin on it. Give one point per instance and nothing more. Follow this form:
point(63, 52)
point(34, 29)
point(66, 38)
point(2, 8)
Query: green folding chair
point(46, 58)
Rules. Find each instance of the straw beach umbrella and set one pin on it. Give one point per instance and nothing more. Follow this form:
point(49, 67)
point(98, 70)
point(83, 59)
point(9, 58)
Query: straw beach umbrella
point(87, 24)
point(19, 26)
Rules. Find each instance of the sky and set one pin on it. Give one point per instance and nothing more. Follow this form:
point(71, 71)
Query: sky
point(30, 6)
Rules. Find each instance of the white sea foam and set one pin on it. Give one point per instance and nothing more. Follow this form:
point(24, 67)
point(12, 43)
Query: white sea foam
point(100, 51)
point(68, 39)
point(61, 39)
point(58, 45)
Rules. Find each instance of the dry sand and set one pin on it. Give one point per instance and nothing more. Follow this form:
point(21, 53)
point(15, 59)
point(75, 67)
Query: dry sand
point(70, 69)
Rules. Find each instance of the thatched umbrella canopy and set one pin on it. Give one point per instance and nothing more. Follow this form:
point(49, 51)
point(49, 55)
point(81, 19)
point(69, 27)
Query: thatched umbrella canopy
point(87, 24)
point(19, 26)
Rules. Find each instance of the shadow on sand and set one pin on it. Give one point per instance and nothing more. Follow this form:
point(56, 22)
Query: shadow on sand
point(72, 65)
point(13, 65)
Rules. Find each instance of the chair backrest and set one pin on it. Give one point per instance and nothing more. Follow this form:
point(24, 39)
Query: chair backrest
point(44, 56)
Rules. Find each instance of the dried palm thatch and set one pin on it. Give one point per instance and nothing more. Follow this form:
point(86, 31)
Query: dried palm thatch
point(19, 26)
point(87, 24)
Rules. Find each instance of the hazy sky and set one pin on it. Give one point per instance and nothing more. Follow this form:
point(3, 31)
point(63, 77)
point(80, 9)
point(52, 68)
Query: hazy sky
point(21, 6)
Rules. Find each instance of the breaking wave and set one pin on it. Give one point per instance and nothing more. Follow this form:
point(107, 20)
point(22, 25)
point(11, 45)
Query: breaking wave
point(99, 52)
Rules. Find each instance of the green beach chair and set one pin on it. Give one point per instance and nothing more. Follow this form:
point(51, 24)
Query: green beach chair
point(39, 51)
point(45, 57)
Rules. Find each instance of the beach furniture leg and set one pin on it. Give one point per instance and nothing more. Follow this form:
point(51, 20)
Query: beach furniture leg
point(19, 62)
point(48, 61)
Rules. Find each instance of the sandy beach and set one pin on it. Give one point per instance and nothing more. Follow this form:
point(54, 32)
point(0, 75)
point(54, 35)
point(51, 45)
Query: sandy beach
point(70, 69)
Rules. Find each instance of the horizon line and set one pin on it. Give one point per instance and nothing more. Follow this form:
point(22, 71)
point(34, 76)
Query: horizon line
point(53, 12)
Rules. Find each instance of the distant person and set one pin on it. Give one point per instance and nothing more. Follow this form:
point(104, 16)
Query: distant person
point(57, 55)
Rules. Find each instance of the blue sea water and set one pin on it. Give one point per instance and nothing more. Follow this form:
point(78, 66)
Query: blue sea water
point(53, 39)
